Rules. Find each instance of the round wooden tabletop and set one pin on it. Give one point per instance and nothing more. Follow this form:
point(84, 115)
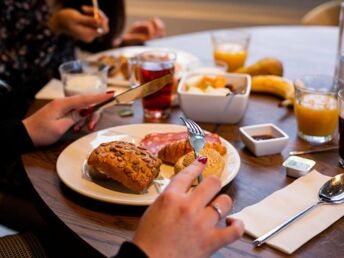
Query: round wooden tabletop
point(104, 226)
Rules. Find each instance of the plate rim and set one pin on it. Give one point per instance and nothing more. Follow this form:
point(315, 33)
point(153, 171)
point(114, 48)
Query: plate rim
point(149, 199)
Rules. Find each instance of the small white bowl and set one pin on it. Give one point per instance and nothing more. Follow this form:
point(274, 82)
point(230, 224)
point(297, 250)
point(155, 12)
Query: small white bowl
point(266, 146)
point(215, 108)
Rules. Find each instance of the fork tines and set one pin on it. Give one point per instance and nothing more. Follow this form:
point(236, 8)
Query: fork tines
point(192, 126)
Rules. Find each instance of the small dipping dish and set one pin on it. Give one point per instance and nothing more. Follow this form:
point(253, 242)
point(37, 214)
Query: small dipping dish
point(297, 166)
point(263, 139)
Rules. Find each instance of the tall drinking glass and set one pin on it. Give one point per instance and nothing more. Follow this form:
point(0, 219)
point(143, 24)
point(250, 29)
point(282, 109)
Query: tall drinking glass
point(341, 127)
point(231, 47)
point(150, 65)
point(316, 108)
point(339, 70)
point(82, 77)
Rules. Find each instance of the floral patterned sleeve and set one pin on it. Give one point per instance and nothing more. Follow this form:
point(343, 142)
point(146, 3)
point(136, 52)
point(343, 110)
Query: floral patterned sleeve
point(29, 51)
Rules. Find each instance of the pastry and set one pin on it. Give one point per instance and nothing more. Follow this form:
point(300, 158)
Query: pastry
point(131, 165)
point(171, 152)
point(214, 166)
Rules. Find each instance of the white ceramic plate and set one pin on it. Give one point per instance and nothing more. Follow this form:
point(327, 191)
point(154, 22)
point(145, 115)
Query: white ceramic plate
point(73, 171)
point(184, 59)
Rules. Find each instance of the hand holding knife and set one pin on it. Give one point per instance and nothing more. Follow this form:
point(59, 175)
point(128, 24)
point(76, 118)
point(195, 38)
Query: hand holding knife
point(132, 94)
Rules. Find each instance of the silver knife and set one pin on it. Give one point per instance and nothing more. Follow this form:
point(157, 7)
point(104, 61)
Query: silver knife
point(134, 93)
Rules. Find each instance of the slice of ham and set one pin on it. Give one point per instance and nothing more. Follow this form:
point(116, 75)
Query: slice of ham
point(154, 142)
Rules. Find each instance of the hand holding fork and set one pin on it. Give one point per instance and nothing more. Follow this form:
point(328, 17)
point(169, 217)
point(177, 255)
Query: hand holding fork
point(196, 138)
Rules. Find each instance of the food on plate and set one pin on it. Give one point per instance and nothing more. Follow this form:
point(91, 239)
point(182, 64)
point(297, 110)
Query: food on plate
point(265, 66)
point(171, 152)
point(117, 64)
point(133, 166)
point(208, 84)
point(214, 166)
point(124, 66)
point(274, 85)
point(154, 142)
point(112, 62)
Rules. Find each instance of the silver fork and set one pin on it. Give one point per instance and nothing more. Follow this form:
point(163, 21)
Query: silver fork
point(196, 138)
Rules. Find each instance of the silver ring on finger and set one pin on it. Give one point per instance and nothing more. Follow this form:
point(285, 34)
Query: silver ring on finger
point(217, 209)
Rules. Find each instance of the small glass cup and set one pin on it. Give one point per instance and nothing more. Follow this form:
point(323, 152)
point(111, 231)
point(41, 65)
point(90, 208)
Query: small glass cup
point(231, 47)
point(83, 77)
point(341, 126)
point(316, 108)
point(148, 66)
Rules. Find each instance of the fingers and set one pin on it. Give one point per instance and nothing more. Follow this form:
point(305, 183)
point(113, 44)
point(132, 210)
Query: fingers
point(143, 27)
point(206, 191)
point(77, 102)
point(227, 235)
point(159, 27)
point(224, 204)
point(184, 179)
point(77, 127)
point(93, 120)
point(102, 21)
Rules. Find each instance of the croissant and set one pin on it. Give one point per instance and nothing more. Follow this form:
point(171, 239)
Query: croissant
point(173, 151)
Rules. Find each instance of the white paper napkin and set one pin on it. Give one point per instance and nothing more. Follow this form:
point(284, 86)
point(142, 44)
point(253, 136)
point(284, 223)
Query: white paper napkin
point(285, 203)
point(54, 90)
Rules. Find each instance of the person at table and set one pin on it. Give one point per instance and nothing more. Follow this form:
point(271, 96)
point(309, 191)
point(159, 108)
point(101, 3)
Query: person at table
point(137, 33)
point(34, 41)
point(180, 223)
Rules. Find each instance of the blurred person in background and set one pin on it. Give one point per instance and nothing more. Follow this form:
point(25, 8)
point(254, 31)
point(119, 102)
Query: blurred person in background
point(37, 36)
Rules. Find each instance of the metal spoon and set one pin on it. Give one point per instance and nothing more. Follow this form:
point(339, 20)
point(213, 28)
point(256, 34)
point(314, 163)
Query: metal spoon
point(332, 192)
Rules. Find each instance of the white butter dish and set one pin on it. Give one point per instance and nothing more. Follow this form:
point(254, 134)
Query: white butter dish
point(297, 166)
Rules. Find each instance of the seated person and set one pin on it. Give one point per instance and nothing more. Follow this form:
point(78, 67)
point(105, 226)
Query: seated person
point(180, 223)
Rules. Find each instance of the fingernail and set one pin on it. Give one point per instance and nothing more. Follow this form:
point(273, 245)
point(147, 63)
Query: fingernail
point(85, 112)
point(202, 160)
point(76, 129)
point(110, 92)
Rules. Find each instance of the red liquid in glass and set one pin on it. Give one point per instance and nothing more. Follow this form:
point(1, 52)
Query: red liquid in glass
point(161, 100)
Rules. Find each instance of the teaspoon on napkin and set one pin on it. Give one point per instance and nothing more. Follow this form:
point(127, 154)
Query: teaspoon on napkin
point(332, 192)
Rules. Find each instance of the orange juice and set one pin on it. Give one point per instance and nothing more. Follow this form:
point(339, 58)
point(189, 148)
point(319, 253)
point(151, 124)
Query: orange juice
point(317, 115)
point(234, 55)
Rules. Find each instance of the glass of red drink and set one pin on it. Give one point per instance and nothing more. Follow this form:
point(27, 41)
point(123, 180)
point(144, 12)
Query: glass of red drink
point(341, 126)
point(149, 66)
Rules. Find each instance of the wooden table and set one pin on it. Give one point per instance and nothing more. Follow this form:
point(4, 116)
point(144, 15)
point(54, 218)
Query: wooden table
point(104, 227)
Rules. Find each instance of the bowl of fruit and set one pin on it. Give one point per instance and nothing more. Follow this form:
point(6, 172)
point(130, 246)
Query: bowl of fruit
point(214, 97)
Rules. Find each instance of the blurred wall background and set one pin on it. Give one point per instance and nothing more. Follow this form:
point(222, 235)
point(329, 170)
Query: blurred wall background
point(183, 16)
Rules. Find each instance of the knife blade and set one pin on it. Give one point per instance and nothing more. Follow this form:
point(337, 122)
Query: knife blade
point(138, 92)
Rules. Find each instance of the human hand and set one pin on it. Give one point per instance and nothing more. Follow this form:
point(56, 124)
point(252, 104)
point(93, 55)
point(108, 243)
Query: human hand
point(142, 31)
point(182, 223)
point(49, 123)
point(83, 27)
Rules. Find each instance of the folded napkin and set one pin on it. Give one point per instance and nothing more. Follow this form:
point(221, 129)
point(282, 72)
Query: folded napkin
point(54, 90)
point(285, 203)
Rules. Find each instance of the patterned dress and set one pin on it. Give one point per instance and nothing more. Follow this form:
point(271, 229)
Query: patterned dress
point(29, 51)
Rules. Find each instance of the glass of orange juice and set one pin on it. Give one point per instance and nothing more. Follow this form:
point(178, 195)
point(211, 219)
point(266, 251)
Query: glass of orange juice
point(231, 47)
point(316, 108)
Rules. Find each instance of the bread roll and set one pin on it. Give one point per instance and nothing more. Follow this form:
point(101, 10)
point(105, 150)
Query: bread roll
point(131, 165)
point(215, 164)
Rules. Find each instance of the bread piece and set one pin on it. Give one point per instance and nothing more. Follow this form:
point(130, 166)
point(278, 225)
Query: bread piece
point(173, 151)
point(112, 62)
point(131, 165)
point(214, 166)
